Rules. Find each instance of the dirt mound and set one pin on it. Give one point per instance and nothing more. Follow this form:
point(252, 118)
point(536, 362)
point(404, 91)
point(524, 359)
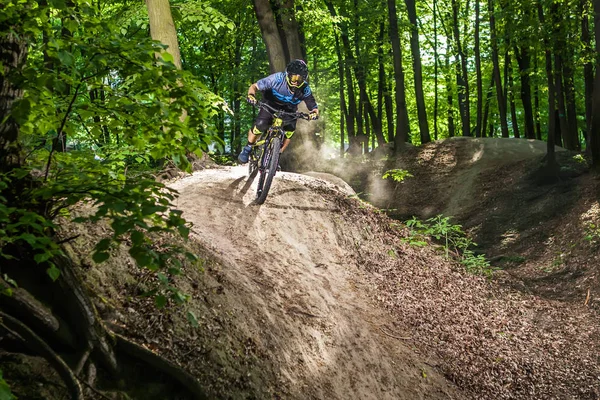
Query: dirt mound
point(315, 295)
point(289, 268)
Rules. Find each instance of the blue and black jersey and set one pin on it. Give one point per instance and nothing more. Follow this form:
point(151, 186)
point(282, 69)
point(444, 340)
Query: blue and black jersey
point(276, 91)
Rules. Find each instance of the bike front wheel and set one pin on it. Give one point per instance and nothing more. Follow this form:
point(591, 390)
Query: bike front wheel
point(271, 161)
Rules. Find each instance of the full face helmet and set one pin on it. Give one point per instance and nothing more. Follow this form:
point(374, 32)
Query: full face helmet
point(296, 74)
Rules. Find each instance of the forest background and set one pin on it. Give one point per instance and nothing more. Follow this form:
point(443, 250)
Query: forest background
point(91, 105)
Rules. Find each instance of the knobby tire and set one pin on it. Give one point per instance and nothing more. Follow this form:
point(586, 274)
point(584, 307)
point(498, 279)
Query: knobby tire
point(267, 174)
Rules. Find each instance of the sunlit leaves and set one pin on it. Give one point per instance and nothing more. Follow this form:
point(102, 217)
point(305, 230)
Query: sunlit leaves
point(100, 113)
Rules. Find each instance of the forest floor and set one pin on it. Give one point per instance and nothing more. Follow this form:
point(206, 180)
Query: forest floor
point(317, 294)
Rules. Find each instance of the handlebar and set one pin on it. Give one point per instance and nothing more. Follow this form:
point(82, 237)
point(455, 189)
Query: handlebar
point(279, 113)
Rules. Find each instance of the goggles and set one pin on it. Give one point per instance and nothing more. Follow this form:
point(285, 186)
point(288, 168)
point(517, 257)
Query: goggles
point(295, 80)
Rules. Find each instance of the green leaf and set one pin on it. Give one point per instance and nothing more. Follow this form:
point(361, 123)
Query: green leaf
point(103, 245)
point(137, 238)
point(160, 301)
point(193, 320)
point(5, 393)
point(162, 278)
point(42, 257)
point(100, 257)
point(149, 210)
point(53, 272)
point(167, 57)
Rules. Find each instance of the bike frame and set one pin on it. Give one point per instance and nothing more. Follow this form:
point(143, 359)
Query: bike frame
point(265, 154)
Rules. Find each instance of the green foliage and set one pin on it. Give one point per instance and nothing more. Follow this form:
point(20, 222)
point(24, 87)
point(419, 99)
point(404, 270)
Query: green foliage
point(476, 264)
point(5, 393)
point(398, 175)
point(592, 233)
point(20, 226)
point(99, 114)
point(454, 240)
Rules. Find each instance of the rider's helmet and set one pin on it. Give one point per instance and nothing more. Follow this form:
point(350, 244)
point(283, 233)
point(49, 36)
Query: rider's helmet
point(296, 74)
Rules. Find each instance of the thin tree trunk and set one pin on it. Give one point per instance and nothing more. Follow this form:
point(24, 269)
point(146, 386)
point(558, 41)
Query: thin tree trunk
point(381, 72)
point(451, 127)
point(488, 100)
point(572, 142)
point(389, 110)
point(595, 131)
point(478, 127)
point(550, 154)
point(354, 148)
point(588, 70)
point(537, 112)
point(524, 62)
point(418, 74)
point(510, 90)
point(462, 79)
point(402, 124)
point(343, 110)
point(361, 78)
point(497, 78)
point(435, 72)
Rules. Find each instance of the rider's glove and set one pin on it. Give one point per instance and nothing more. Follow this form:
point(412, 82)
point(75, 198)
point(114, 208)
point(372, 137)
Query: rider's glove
point(251, 99)
point(313, 115)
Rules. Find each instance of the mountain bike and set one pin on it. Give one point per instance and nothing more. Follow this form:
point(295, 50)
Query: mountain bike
point(265, 153)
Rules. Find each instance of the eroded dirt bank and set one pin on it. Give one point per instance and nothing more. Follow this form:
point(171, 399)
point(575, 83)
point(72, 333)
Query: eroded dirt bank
point(345, 310)
point(290, 270)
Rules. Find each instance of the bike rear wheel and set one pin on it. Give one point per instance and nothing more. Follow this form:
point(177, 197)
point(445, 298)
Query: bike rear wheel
point(271, 161)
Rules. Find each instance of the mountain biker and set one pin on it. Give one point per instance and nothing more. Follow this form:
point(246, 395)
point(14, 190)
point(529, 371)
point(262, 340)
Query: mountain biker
point(283, 91)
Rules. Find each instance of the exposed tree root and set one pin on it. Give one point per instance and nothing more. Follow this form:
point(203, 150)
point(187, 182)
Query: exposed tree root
point(36, 344)
point(81, 309)
point(162, 365)
point(85, 333)
point(31, 311)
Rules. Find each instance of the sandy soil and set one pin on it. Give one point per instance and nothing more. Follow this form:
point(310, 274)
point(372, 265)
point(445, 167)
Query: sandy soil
point(344, 309)
point(302, 294)
point(316, 294)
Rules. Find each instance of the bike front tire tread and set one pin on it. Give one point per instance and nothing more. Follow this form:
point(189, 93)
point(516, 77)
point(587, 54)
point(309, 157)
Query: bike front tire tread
point(270, 171)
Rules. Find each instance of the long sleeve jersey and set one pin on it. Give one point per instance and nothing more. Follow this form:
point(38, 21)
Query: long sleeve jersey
point(276, 91)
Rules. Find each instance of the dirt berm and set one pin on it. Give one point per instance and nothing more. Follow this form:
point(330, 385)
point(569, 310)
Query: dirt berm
point(315, 295)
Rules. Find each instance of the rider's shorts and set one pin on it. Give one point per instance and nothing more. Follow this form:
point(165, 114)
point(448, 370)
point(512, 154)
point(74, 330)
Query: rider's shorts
point(265, 119)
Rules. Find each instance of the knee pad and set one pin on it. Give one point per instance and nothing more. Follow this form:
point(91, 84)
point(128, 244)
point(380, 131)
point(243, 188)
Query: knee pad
point(261, 125)
point(256, 131)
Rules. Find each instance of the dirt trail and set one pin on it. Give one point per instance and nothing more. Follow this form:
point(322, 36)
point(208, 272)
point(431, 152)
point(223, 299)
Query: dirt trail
point(303, 297)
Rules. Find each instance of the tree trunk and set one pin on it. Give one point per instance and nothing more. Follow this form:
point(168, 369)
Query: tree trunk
point(524, 62)
point(343, 110)
point(497, 77)
point(162, 27)
point(450, 98)
point(550, 155)
point(462, 78)
point(402, 124)
point(588, 70)
point(486, 111)
point(354, 148)
point(572, 142)
point(389, 110)
point(13, 53)
point(435, 73)
point(290, 30)
point(595, 131)
point(381, 84)
point(511, 96)
point(418, 74)
point(270, 34)
point(478, 126)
